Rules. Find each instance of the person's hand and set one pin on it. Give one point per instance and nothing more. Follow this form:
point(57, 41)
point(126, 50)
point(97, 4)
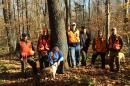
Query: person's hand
point(31, 52)
point(58, 63)
point(42, 48)
point(47, 48)
point(24, 55)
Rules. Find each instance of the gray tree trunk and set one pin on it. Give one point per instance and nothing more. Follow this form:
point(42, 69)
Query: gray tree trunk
point(67, 21)
point(107, 11)
point(57, 26)
point(10, 31)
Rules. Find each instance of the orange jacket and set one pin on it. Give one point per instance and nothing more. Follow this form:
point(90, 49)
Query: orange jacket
point(26, 48)
point(73, 37)
point(100, 45)
point(116, 44)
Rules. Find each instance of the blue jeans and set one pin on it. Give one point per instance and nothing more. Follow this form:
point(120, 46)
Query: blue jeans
point(75, 54)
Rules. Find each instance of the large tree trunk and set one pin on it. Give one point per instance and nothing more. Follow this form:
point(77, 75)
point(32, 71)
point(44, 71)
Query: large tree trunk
point(88, 13)
point(126, 22)
point(107, 11)
point(57, 26)
point(27, 19)
point(9, 31)
point(18, 18)
point(70, 9)
point(67, 14)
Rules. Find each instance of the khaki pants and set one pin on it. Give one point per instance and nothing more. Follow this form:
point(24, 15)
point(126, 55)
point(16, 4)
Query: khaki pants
point(114, 57)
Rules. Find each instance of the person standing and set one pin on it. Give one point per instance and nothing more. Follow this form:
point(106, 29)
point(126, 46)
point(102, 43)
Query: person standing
point(74, 44)
point(115, 45)
point(84, 44)
point(99, 47)
point(43, 48)
point(25, 52)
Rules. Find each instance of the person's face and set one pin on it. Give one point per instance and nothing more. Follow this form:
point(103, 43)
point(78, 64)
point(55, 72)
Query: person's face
point(44, 32)
point(73, 27)
point(85, 30)
point(114, 32)
point(56, 48)
point(41, 32)
point(100, 34)
point(25, 38)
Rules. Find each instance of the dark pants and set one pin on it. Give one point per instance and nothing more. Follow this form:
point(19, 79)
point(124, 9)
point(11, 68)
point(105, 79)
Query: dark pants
point(69, 57)
point(31, 62)
point(114, 57)
point(84, 57)
point(60, 68)
point(43, 60)
point(94, 56)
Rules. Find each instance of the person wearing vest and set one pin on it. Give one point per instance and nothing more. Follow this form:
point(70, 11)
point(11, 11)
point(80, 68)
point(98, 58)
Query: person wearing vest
point(115, 45)
point(74, 45)
point(25, 51)
point(56, 55)
point(84, 44)
point(99, 47)
point(69, 54)
point(43, 48)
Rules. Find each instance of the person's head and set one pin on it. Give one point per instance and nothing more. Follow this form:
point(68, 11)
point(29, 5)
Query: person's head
point(56, 48)
point(41, 32)
point(114, 31)
point(100, 33)
point(84, 30)
point(45, 31)
point(73, 25)
point(24, 37)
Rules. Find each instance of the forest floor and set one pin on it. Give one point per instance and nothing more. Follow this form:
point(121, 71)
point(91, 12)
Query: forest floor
point(10, 75)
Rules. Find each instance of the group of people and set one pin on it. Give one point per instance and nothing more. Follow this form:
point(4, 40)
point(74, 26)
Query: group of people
point(78, 42)
point(47, 55)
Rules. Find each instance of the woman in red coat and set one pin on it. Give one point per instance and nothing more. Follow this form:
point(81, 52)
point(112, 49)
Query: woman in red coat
point(43, 48)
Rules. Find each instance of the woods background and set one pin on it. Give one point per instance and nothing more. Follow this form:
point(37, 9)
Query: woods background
point(18, 16)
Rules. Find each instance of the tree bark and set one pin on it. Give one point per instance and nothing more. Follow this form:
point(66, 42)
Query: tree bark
point(9, 31)
point(26, 13)
point(107, 25)
point(126, 21)
point(67, 14)
point(18, 17)
point(57, 26)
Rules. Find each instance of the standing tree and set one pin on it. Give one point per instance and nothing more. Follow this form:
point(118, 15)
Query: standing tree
point(18, 18)
point(67, 14)
point(107, 11)
point(8, 21)
point(57, 26)
point(126, 21)
point(70, 9)
point(26, 13)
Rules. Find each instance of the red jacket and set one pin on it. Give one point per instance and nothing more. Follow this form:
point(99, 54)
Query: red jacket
point(43, 45)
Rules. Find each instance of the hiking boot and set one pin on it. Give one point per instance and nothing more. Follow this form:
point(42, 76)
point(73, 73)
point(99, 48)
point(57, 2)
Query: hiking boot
point(74, 66)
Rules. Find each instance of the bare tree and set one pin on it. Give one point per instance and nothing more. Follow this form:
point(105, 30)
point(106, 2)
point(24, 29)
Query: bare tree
point(67, 13)
point(107, 24)
point(8, 21)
